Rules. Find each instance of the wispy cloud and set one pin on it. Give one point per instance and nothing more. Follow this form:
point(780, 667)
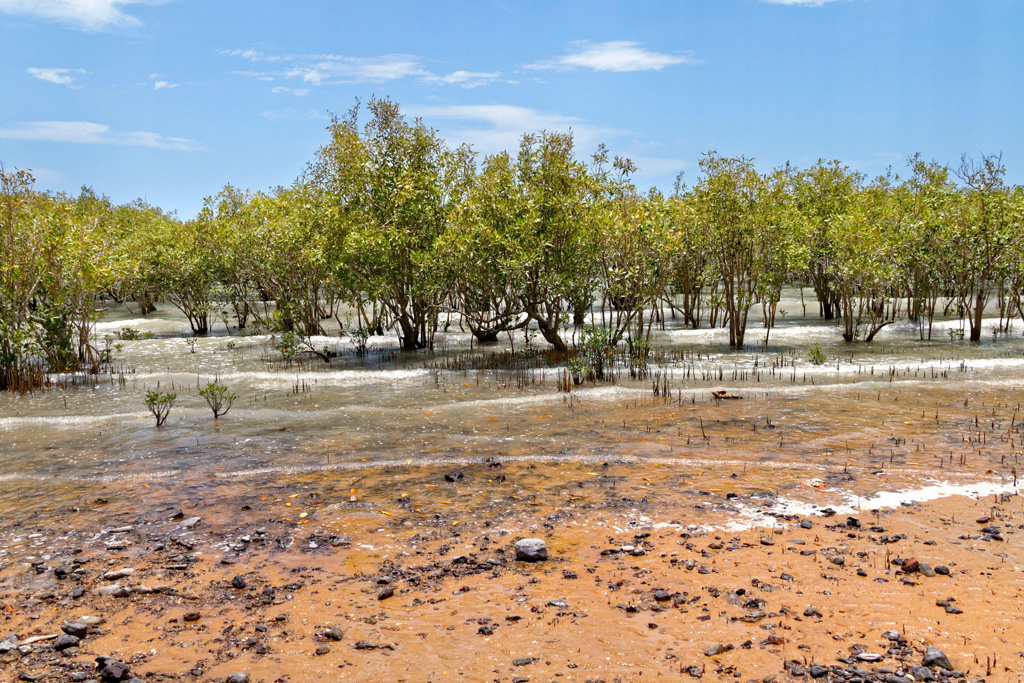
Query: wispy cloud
point(58, 76)
point(299, 92)
point(88, 133)
point(340, 69)
point(160, 84)
point(465, 79)
point(493, 128)
point(86, 15)
point(616, 55)
point(812, 3)
point(328, 69)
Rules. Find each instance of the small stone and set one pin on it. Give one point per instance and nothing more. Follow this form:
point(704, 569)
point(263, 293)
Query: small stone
point(837, 560)
point(334, 633)
point(812, 612)
point(926, 569)
point(806, 524)
point(64, 641)
point(934, 657)
point(531, 550)
point(190, 523)
point(522, 661)
point(454, 476)
point(386, 593)
point(192, 616)
point(238, 582)
point(119, 574)
point(716, 649)
point(237, 678)
point(73, 628)
point(322, 650)
point(911, 565)
point(817, 671)
point(942, 570)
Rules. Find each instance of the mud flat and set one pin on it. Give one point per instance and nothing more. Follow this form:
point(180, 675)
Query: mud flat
point(299, 581)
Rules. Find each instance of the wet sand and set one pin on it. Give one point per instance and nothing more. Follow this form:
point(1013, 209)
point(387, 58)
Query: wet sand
point(631, 590)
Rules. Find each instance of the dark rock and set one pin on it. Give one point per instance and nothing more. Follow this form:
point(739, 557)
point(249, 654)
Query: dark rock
point(334, 633)
point(321, 650)
point(922, 674)
point(112, 670)
point(192, 616)
point(813, 613)
point(64, 641)
point(936, 658)
point(806, 524)
point(911, 565)
point(454, 476)
point(531, 550)
point(942, 570)
point(237, 678)
point(817, 671)
point(238, 582)
point(73, 628)
point(386, 593)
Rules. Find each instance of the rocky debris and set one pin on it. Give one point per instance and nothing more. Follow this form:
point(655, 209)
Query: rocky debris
point(369, 645)
point(934, 658)
point(9, 644)
point(237, 678)
point(531, 550)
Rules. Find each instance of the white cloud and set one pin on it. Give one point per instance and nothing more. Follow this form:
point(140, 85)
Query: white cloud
point(616, 55)
point(58, 76)
point(330, 69)
point(464, 79)
point(812, 3)
point(87, 15)
point(294, 91)
point(161, 85)
point(88, 133)
point(493, 128)
point(339, 69)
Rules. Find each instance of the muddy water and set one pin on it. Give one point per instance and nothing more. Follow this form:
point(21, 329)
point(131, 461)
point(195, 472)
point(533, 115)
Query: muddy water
point(877, 424)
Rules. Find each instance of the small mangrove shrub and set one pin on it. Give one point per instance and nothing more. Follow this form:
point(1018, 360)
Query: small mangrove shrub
point(160, 404)
point(218, 398)
point(816, 355)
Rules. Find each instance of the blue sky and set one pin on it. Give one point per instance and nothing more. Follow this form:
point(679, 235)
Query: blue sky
point(169, 100)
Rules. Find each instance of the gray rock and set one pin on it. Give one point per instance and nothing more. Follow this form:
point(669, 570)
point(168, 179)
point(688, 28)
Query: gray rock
point(8, 644)
point(531, 550)
point(922, 674)
point(64, 641)
point(191, 522)
point(934, 657)
point(73, 628)
point(119, 574)
point(925, 569)
point(716, 649)
point(812, 612)
point(237, 678)
point(334, 633)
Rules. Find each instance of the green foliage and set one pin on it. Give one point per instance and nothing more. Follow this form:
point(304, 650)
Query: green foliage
point(160, 404)
point(218, 398)
point(816, 355)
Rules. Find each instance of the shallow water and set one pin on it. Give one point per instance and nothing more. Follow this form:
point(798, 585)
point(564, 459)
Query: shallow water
point(897, 415)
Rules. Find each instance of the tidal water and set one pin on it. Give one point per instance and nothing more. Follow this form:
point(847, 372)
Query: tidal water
point(876, 425)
